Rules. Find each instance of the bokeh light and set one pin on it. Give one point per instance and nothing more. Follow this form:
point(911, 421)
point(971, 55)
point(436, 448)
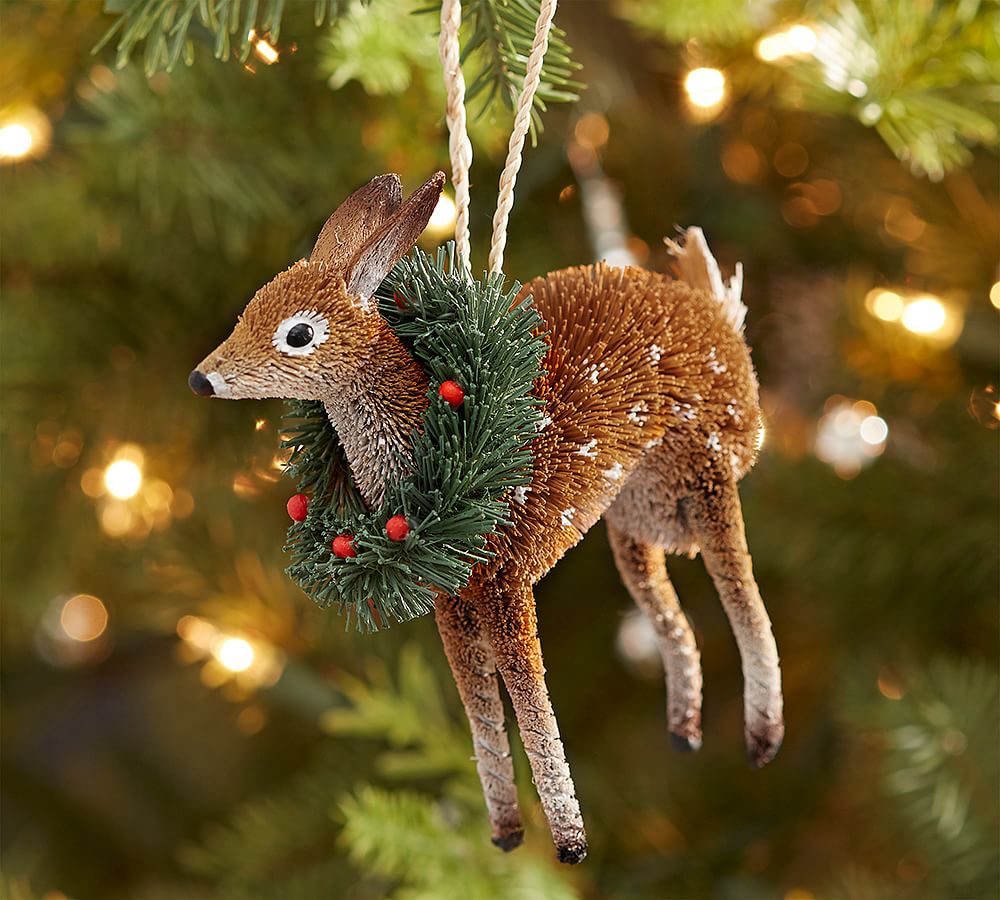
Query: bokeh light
point(83, 618)
point(925, 315)
point(442, 221)
point(235, 654)
point(123, 478)
point(705, 88)
point(24, 134)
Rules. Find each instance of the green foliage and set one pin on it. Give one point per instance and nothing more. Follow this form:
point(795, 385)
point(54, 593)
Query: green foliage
point(426, 847)
point(430, 847)
point(717, 21)
point(281, 844)
point(408, 844)
point(378, 47)
point(500, 39)
point(924, 75)
point(939, 771)
point(381, 45)
point(466, 461)
point(165, 27)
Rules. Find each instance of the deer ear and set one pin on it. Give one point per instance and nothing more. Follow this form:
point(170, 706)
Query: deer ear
point(395, 238)
point(356, 220)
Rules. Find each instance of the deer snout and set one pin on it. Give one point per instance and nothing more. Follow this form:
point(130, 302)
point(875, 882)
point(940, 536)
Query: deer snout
point(200, 384)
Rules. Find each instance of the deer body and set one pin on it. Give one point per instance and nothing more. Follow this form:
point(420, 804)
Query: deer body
point(650, 418)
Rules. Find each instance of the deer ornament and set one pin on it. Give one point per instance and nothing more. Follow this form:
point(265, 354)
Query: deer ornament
point(650, 419)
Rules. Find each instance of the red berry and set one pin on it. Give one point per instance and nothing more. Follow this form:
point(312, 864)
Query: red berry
point(452, 393)
point(397, 528)
point(401, 301)
point(343, 546)
point(298, 507)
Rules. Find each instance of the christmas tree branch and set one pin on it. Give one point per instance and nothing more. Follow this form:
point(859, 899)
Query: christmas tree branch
point(502, 32)
point(164, 27)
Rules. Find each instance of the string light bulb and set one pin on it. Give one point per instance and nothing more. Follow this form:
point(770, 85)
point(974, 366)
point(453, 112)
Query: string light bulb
point(442, 220)
point(24, 134)
point(123, 478)
point(235, 654)
point(705, 88)
point(792, 42)
point(924, 315)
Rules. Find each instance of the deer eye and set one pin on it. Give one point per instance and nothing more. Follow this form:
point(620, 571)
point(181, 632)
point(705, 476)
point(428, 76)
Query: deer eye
point(300, 334)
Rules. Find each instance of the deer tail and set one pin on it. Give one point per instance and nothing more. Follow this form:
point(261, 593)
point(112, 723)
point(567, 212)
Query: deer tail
point(697, 266)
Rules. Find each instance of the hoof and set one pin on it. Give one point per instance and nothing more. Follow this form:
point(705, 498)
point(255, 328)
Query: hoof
point(685, 743)
point(763, 747)
point(572, 854)
point(508, 842)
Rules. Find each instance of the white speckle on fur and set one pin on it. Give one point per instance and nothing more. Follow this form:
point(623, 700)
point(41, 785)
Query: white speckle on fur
point(588, 449)
point(635, 413)
point(567, 515)
point(593, 374)
point(734, 461)
point(543, 423)
point(614, 473)
point(714, 444)
point(677, 633)
point(733, 410)
point(521, 494)
point(655, 353)
point(714, 364)
point(655, 442)
point(685, 411)
point(686, 650)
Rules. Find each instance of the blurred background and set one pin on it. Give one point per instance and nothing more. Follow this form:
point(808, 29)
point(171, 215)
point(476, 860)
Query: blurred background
point(179, 721)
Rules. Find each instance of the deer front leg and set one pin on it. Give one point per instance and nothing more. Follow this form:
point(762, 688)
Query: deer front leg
point(513, 630)
point(644, 571)
point(716, 521)
point(470, 655)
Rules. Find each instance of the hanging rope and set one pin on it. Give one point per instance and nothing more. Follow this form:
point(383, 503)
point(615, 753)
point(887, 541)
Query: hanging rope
point(459, 145)
point(522, 121)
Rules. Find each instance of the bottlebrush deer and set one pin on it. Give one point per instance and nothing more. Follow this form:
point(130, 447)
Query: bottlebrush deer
point(651, 417)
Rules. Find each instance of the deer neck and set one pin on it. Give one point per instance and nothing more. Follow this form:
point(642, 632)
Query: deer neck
point(375, 413)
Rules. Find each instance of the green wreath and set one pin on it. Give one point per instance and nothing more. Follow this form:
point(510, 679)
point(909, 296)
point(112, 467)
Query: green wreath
point(467, 460)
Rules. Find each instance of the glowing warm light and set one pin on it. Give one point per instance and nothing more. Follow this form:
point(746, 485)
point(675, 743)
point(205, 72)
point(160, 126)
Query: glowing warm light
point(235, 654)
point(849, 436)
point(123, 478)
point(260, 425)
point(705, 87)
point(995, 294)
point(265, 51)
point(83, 618)
point(592, 131)
point(889, 686)
point(24, 134)
point(761, 437)
point(802, 38)
point(925, 315)
point(15, 141)
point(874, 430)
point(799, 40)
point(885, 305)
point(442, 220)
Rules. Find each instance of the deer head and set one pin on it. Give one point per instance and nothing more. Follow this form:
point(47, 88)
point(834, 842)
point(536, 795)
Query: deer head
point(311, 327)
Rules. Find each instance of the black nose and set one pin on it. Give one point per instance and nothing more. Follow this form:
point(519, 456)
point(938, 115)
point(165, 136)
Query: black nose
point(200, 384)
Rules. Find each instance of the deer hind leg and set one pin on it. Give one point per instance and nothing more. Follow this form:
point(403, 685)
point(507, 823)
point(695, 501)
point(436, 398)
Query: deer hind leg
point(643, 570)
point(716, 521)
point(513, 629)
point(470, 655)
